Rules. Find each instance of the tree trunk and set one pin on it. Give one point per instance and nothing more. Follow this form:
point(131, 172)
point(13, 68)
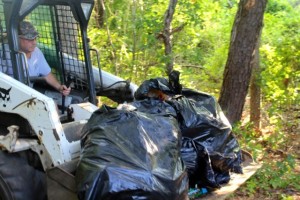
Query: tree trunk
point(244, 37)
point(255, 91)
point(167, 32)
point(100, 13)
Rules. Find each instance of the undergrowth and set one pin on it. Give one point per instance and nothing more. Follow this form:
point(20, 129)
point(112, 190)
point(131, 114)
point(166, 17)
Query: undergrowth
point(277, 178)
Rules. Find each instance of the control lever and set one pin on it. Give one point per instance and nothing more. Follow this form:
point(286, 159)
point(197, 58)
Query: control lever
point(70, 80)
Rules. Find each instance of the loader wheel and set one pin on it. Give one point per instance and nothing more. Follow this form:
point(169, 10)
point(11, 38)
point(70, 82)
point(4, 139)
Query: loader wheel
point(19, 180)
point(4, 190)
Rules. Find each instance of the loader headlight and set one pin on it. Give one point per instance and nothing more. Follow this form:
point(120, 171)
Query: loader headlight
point(87, 9)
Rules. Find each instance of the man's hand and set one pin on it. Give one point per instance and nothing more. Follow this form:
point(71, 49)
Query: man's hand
point(65, 90)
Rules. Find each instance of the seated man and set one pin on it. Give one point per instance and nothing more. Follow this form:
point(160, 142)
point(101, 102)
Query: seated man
point(37, 64)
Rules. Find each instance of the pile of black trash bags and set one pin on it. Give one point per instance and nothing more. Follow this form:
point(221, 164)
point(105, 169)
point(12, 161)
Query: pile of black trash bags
point(168, 140)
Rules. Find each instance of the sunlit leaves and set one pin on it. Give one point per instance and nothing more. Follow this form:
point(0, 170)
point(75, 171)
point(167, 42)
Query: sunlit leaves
point(280, 49)
point(200, 49)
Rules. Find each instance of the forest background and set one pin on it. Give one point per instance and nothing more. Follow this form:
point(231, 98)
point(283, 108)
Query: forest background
point(126, 34)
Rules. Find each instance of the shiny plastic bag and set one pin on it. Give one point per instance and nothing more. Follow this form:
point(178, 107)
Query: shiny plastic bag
point(132, 154)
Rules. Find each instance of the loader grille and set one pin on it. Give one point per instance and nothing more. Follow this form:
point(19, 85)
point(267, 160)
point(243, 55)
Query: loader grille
point(4, 50)
point(60, 40)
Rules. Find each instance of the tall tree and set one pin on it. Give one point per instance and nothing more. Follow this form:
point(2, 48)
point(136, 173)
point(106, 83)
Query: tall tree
point(167, 33)
point(100, 13)
point(244, 37)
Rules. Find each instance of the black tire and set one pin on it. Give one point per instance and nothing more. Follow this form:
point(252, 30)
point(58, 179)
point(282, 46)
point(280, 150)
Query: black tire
point(4, 190)
point(19, 180)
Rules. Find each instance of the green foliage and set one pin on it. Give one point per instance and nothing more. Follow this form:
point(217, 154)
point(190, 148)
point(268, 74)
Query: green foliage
point(134, 51)
point(280, 53)
point(248, 139)
point(274, 175)
point(129, 46)
point(205, 40)
point(277, 6)
point(277, 172)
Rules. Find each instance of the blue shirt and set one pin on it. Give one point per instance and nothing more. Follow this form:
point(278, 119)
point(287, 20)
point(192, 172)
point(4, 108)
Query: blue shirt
point(37, 64)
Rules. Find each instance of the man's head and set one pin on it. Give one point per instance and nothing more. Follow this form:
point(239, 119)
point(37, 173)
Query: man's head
point(27, 31)
point(27, 37)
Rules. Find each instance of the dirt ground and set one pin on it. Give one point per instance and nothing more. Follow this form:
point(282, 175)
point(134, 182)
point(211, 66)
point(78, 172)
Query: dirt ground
point(292, 146)
point(290, 192)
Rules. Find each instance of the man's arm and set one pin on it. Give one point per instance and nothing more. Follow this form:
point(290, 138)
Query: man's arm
point(51, 80)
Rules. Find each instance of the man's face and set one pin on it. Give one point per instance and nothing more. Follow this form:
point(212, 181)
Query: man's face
point(27, 46)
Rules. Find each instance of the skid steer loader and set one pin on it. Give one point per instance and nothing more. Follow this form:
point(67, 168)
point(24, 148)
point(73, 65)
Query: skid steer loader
point(40, 145)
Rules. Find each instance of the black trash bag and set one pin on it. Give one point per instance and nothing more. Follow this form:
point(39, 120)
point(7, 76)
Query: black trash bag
point(208, 134)
point(198, 163)
point(169, 87)
point(132, 155)
point(230, 144)
point(209, 148)
point(205, 101)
